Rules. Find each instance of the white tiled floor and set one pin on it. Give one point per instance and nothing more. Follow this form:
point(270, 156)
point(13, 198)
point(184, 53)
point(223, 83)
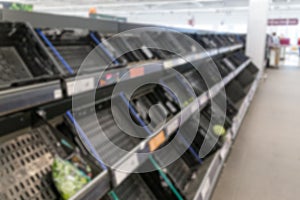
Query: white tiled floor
point(264, 163)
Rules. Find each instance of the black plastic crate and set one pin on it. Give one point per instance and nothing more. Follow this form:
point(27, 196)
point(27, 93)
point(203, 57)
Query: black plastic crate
point(206, 41)
point(166, 41)
point(231, 109)
point(26, 159)
point(151, 94)
point(92, 140)
point(22, 55)
point(121, 47)
point(223, 69)
point(252, 68)
point(238, 58)
point(156, 181)
point(149, 185)
point(209, 72)
point(136, 44)
point(187, 44)
point(71, 47)
point(218, 114)
point(179, 171)
point(234, 91)
point(196, 81)
point(229, 64)
point(184, 172)
point(177, 87)
point(206, 130)
point(221, 42)
point(245, 77)
point(157, 52)
point(133, 188)
point(26, 162)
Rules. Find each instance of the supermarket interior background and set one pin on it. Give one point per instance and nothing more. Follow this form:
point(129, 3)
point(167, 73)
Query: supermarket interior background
point(149, 99)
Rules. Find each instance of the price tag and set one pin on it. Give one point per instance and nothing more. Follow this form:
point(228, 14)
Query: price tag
point(194, 107)
point(156, 141)
point(70, 88)
point(214, 90)
point(196, 57)
point(206, 186)
point(225, 148)
point(203, 99)
point(251, 95)
point(120, 176)
point(223, 152)
point(190, 57)
point(57, 94)
point(222, 50)
point(102, 82)
point(81, 86)
point(136, 72)
point(228, 78)
point(130, 165)
point(229, 137)
point(252, 92)
point(172, 127)
point(213, 52)
point(234, 128)
point(203, 55)
point(143, 145)
point(244, 108)
point(168, 64)
point(179, 61)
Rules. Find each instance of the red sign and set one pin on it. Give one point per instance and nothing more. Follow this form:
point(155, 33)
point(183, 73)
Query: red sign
point(293, 21)
point(285, 41)
point(283, 22)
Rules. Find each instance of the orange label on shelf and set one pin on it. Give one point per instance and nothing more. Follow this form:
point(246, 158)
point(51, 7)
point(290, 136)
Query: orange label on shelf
point(102, 82)
point(156, 141)
point(135, 72)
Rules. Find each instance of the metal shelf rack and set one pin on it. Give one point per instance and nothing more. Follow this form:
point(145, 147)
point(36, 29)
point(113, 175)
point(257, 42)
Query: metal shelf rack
point(208, 183)
point(63, 88)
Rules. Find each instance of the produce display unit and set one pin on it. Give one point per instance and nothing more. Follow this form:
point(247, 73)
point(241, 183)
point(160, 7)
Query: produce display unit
point(41, 134)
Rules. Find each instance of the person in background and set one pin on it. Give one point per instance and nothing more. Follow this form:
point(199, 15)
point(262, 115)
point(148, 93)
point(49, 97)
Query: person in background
point(274, 44)
point(275, 40)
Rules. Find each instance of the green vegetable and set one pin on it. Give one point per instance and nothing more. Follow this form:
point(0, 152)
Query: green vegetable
point(67, 178)
point(219, 130)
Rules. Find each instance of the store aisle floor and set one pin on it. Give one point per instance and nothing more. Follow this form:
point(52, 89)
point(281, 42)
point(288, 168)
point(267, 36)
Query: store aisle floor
point(292, 60)
point(264, 163)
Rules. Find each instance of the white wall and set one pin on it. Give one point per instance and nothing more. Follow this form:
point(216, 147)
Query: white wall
point(257, 27)
point(292, 32)
point(228, 22)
